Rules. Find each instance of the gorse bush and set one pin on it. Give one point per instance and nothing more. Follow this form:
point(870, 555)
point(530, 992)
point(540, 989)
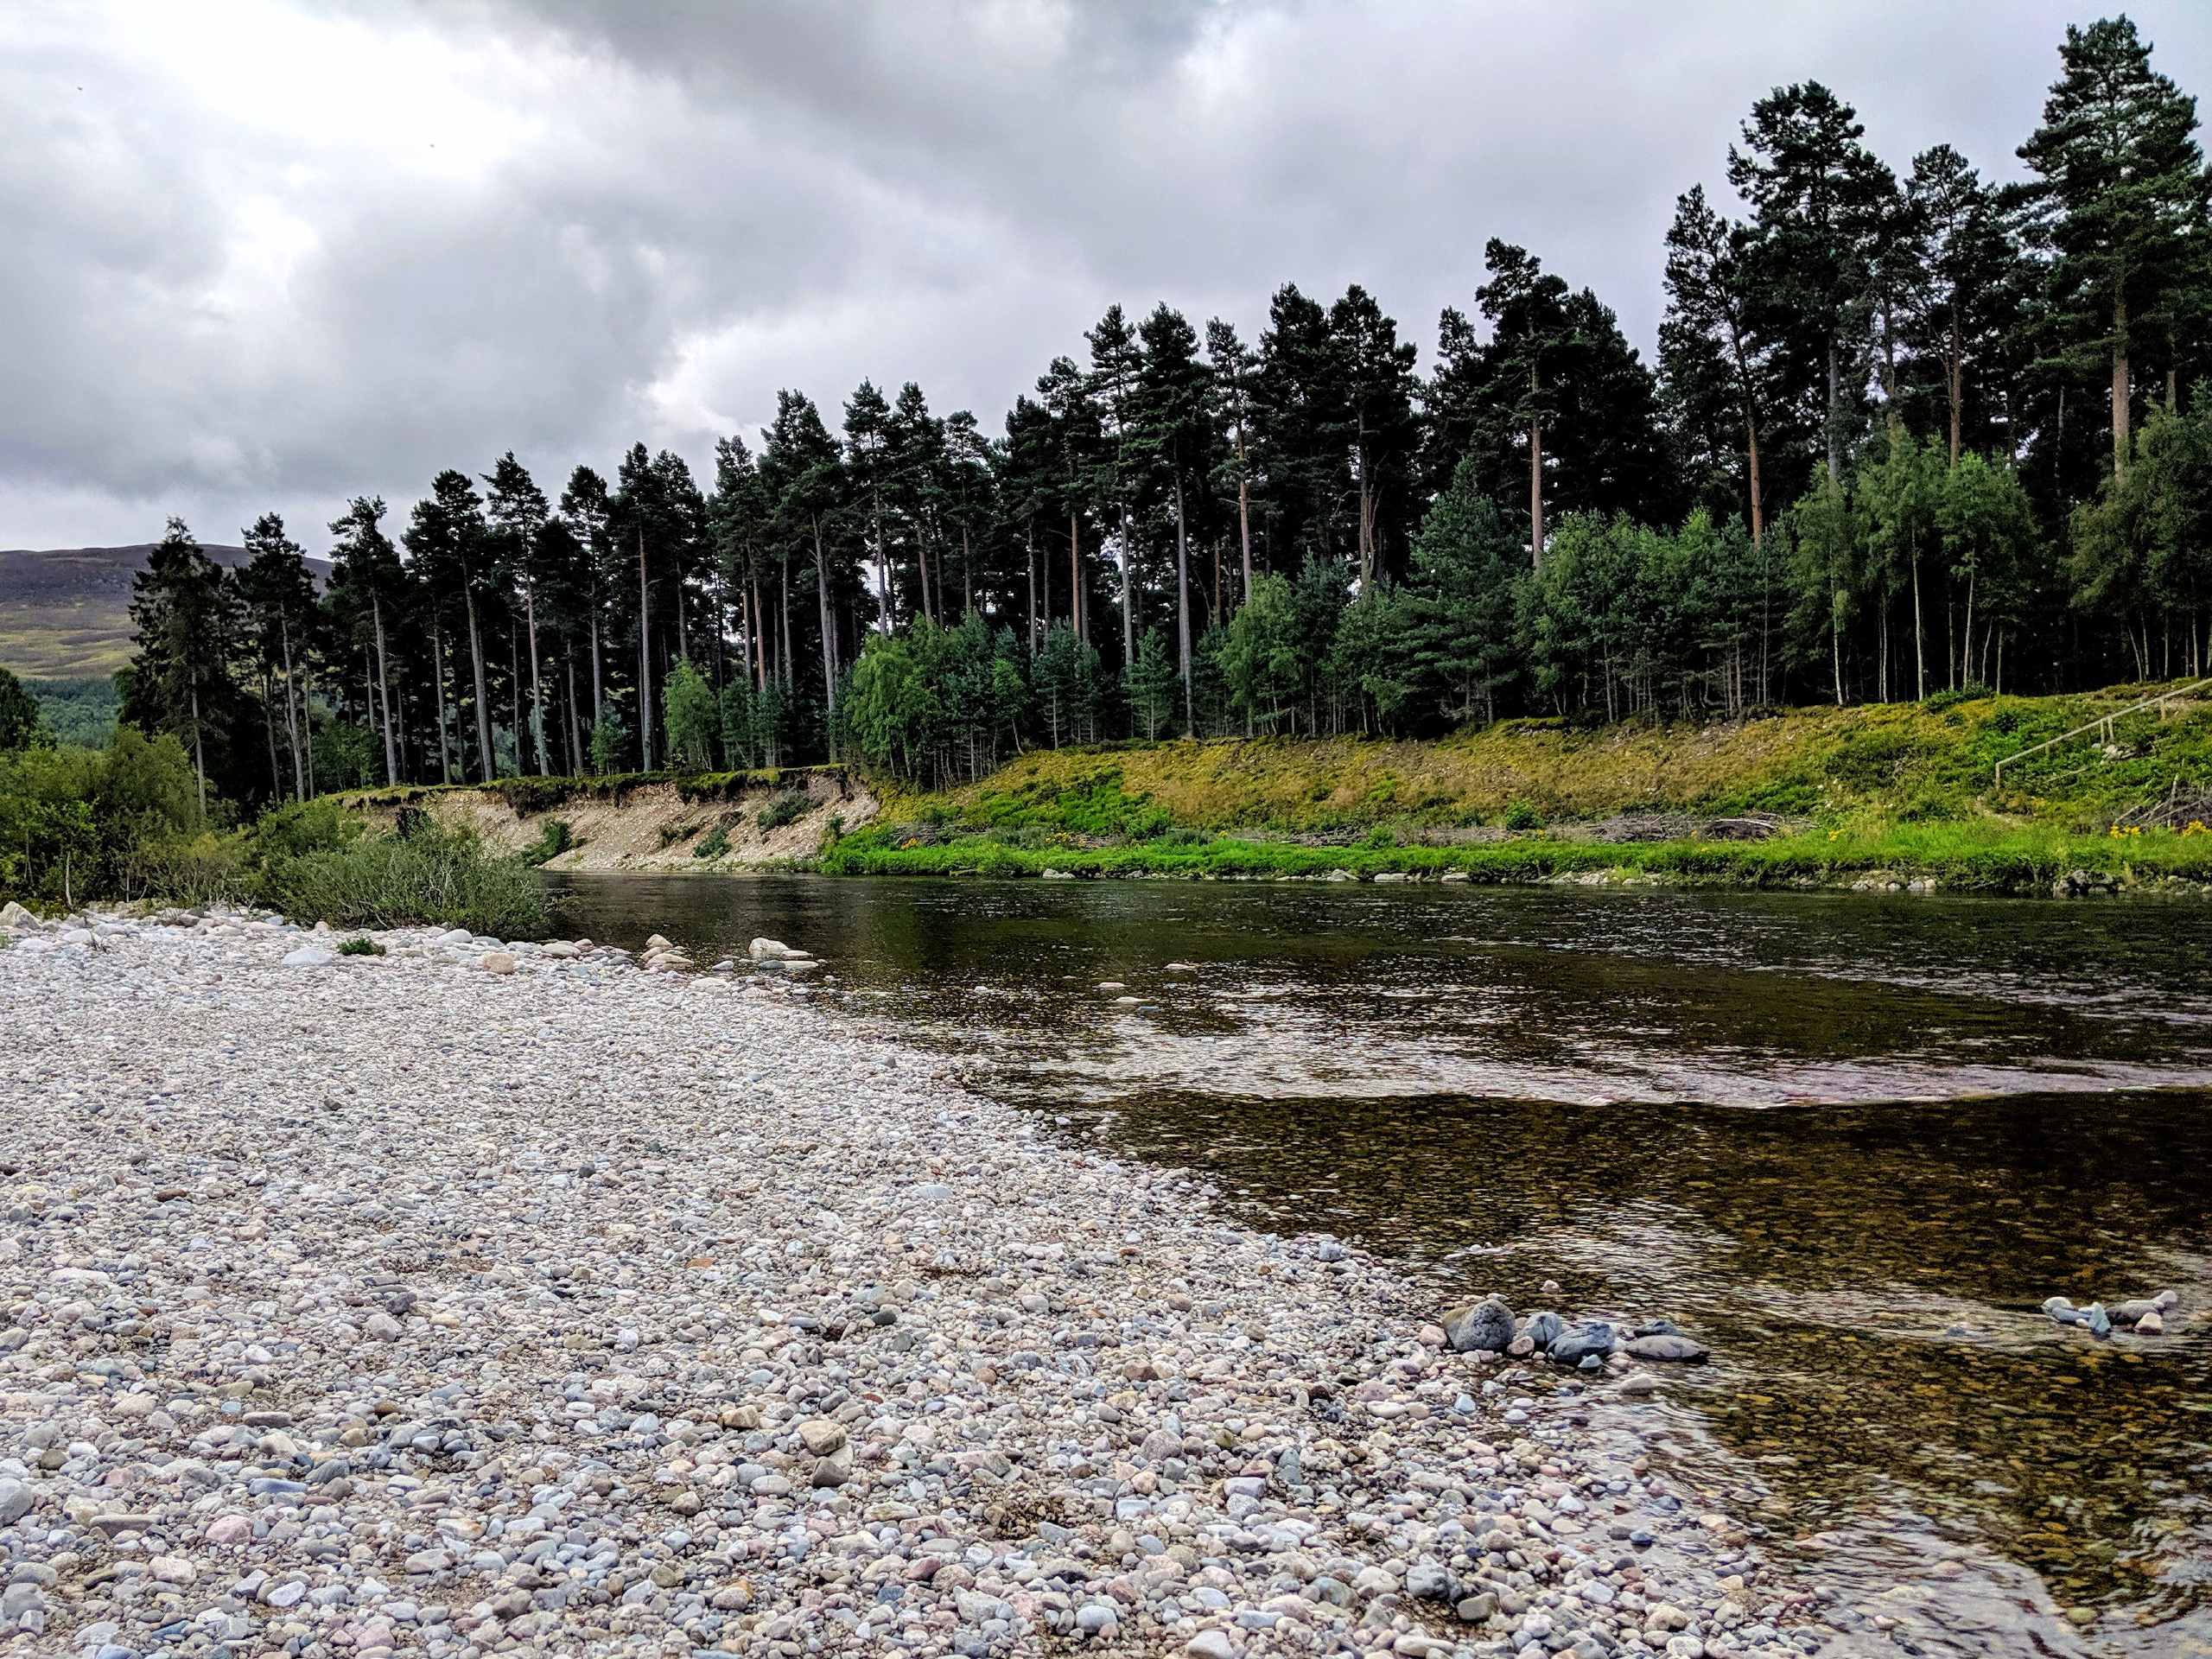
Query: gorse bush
point(432, 877)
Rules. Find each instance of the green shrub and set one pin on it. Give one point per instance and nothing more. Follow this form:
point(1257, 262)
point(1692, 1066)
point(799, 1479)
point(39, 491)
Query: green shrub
point(360, 947)
point(202, 869)
point(714, 843)
point(555, 837)
point(1521, 817)
point(299, 827)
point(434, 877)
point(783, 809)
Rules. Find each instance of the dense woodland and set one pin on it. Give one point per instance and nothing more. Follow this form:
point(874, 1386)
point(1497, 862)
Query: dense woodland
point(1906, 433)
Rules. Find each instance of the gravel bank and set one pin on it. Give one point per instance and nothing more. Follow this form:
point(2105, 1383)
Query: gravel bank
point(402, 1305)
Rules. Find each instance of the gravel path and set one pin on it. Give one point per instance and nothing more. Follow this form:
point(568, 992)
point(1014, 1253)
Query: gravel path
point(406, 1306)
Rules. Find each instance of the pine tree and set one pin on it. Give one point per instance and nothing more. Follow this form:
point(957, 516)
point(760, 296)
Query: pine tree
point(1710, 352)
point(277, 595)
point(515, 510)
point(1964, 257)
point(1375, 425)
point(181, 613)
point(1527, 355)
point(367, 580)
point(1819, 198)
point(2119, 195)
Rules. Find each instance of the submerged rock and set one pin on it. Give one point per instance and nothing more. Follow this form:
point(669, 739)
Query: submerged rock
point(1669, 1346)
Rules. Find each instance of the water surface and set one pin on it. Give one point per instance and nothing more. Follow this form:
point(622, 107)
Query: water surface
point(1851, 1141)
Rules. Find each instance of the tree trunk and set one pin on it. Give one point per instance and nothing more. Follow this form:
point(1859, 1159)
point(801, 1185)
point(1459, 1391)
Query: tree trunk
point(268, 730)
point(1029, 569)
point(200, 754)
point(575, 737)
point(1834, 420)
point(1075, 577)
point(1535, 492)
point(1243, 511)
point(829, 638)
point(537, 686)
point(759, 637)
point(645, 658)
point(483, 700)
point(1128, 612)
point(598, 672)
point(1954, 383)
point(291, 717)
point(1919, 647)
point(2119, 387)
point(438, 676)
point(1751, 454)
point(1183, 610)
point(383, 697)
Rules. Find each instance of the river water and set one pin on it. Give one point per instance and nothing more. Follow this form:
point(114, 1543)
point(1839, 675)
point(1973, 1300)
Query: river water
point(1851, 1141)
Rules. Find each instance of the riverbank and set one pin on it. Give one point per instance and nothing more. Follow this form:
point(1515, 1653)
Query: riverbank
point(1904, 796)
point(615, 1312)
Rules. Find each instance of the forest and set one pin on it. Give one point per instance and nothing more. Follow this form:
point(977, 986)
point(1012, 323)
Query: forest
point(1905, 433)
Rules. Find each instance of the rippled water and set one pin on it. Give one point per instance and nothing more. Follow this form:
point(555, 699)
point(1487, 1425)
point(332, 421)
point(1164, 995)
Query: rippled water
point(1851, 1141)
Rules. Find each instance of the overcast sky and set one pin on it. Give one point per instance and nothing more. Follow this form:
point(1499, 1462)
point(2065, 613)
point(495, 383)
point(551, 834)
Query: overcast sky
point(260, 255)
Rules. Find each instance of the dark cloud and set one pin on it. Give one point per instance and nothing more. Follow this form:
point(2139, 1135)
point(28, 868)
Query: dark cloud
point(302, 252)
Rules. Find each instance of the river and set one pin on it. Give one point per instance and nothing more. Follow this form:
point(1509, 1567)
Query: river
point(1851, 1141)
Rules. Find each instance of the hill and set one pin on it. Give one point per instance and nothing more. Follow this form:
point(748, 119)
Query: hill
point(65, 612)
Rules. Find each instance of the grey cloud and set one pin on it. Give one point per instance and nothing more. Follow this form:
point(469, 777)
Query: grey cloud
point(648, 218)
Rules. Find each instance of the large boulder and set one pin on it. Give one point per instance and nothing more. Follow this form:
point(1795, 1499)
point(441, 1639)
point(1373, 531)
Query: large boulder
point(1543, 1327)
point(1485, 1327)
point(1580, 1341)
point(771, 950)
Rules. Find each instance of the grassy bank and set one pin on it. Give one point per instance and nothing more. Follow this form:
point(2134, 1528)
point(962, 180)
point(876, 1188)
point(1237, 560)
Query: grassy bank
point(1900, 793)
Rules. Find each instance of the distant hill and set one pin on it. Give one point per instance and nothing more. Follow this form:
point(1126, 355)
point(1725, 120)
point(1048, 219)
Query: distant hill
point(65, 613)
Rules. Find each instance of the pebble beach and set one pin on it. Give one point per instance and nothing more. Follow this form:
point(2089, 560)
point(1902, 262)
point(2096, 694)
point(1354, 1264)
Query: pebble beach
point(484, 1298)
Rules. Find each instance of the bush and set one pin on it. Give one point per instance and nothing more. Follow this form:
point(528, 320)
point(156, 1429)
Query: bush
point(300, 826)
point(555, 837)
point(202, 869)
point(1521, 817)
point(714, 843)
point(360, 947)
point(784, 809)
point(434, 877)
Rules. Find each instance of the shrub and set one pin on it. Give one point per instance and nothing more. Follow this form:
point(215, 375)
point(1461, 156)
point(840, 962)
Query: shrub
point(784, 809)
point(1521, 817)
point(432, 877)
point(555, 837)
point(714, 843)
point(360, 947)
point(202, 869)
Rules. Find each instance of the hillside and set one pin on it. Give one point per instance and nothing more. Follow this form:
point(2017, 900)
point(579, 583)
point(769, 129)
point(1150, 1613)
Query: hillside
point(65, 613)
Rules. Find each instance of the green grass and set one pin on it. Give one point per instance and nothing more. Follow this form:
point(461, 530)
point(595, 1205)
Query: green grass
point(1966, 857)
point(430, 877)
point(1901, 790)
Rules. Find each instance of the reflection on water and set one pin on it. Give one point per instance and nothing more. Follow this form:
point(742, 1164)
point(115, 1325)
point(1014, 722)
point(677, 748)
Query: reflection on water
point(1987, 1105)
